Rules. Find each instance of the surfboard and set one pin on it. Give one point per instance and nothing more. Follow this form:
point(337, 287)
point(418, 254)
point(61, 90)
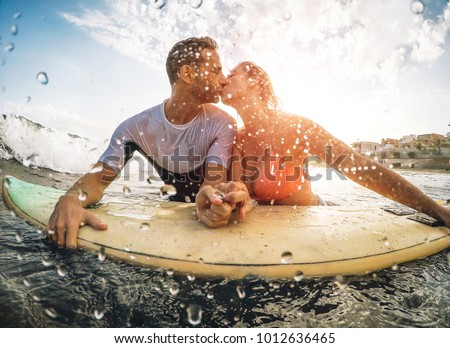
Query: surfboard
point(272, 242)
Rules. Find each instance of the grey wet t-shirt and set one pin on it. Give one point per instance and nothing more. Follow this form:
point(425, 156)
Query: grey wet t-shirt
point(208, 138)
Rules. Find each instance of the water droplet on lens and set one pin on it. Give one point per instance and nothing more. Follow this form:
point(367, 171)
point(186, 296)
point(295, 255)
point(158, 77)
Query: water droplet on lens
point(42, 78)
point(174, 289)
point(9, 47)
point(17, 15)
point(187, 199)
point(128, 247)
point(145, 226)
point(159, 4)
point(286, 257)
point(194, 314)
point(287, 16)
point(82, 195)
point(99, 313)
point(417, 7)
point(27, 99)
point(126, 190)
point(102, 254)
point(51, 312)
point(386, 241)
point(19, 236)
point(46, 261)
point(448, 258)
point(168, 190)
point(241, 291)
point(195, 3)
point(298, 276)
point(190, 277)
point(210, 294)
point(14, 29)
point(170, 272)
point(62, 271)
point(394, 267)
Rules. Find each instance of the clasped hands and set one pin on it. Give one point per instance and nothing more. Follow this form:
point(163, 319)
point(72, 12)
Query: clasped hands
point(216, 204)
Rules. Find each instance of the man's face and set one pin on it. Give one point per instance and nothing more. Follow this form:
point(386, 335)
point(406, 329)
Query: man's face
point(209, 79)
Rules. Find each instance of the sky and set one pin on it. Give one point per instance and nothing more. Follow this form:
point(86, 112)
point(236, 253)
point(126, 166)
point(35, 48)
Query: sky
point(364, 70)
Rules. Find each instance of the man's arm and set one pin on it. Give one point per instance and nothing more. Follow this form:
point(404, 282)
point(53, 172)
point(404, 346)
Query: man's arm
point(373, 175)
point(70, 213)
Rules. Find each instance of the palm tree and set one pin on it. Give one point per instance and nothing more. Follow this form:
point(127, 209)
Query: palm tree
point(437, 145)
point(419, 146)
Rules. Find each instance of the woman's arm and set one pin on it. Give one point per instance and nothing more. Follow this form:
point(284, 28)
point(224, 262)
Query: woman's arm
point(371, 174)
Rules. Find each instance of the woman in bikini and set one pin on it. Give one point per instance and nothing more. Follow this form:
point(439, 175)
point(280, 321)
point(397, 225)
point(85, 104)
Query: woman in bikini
point(273, 148)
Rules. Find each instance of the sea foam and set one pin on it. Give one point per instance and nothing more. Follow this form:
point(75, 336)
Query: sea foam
point(35, 145)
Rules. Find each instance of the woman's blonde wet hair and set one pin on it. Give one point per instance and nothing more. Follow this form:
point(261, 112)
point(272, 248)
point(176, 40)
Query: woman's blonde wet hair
point(266, 92)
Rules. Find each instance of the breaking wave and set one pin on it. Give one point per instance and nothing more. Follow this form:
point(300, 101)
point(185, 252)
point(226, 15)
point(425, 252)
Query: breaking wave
point(35, 145)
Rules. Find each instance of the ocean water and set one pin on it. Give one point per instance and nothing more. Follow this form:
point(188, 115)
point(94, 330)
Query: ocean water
point(43, 286)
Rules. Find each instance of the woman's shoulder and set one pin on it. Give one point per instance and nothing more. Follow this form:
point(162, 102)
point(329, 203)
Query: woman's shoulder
point(289, 119)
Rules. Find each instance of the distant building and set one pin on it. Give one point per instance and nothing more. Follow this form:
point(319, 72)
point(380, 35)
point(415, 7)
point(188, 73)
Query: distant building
point(428, 140)
point(367, 148)
point(407, 139)
point(389, 144)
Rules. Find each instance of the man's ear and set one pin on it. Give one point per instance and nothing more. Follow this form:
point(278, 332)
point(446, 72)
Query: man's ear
point(186, 74)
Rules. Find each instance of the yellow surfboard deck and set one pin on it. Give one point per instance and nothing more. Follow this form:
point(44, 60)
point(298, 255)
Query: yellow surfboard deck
point(273, 241)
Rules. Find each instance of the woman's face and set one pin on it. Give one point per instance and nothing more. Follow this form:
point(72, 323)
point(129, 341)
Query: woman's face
point(237, 86)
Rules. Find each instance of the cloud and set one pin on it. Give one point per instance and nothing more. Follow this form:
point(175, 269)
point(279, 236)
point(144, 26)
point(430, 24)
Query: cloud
point(347, 39)
point(430, 38)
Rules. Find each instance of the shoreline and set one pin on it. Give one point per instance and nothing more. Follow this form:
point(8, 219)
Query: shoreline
point(397, 169)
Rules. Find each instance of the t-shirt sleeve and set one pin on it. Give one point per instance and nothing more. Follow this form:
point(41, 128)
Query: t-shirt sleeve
point(221, 149)
point(120, 149)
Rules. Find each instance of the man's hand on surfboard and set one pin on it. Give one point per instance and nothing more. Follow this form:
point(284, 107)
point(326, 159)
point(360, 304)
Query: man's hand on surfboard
point(216, 204)
point(66, 220)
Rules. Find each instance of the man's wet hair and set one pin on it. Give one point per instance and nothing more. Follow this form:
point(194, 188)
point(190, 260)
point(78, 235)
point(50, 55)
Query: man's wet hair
point(187, 52)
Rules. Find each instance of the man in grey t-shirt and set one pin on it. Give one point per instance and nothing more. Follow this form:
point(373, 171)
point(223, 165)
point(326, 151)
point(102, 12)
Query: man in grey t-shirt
point(187, 140)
